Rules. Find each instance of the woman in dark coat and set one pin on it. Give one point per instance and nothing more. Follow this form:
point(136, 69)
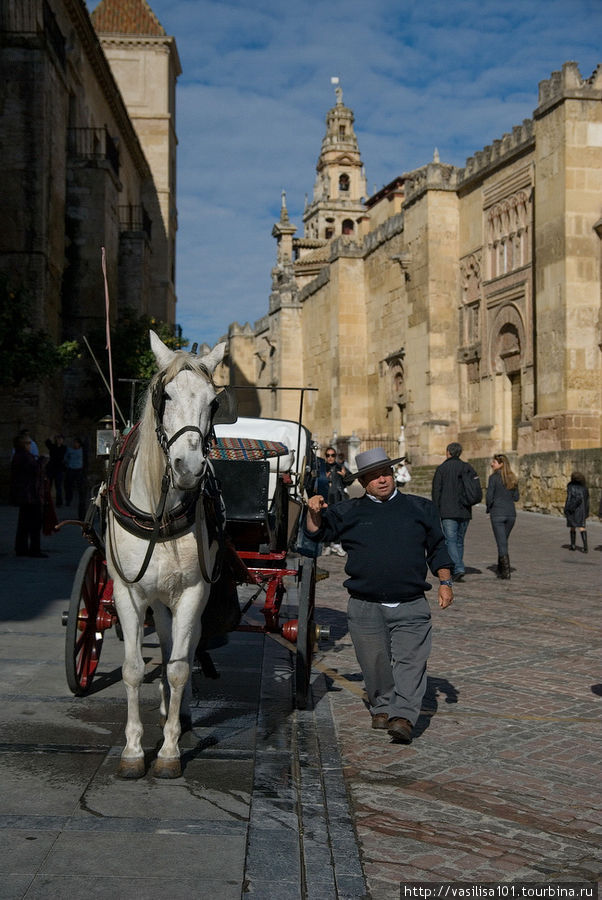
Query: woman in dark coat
point(502, 494)
point(576, 508)
point(26, 492)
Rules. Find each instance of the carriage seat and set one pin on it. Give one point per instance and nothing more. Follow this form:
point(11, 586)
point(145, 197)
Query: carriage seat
point(286, 469)
point(252, 493)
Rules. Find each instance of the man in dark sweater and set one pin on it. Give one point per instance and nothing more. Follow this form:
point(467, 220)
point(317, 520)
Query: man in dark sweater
point(389, 539)
point(449, 498)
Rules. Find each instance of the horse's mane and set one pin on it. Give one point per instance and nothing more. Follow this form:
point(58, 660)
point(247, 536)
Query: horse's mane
point(149, 449)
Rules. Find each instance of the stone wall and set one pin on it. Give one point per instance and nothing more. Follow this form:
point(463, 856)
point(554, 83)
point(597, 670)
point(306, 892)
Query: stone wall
point(543, 478)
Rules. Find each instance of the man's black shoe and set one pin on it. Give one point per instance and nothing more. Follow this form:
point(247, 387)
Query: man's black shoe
point(459, 576)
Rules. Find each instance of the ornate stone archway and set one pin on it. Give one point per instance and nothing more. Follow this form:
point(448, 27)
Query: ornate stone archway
point(507, 361)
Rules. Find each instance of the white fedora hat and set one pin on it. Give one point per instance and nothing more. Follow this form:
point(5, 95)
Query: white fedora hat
point(376, 458)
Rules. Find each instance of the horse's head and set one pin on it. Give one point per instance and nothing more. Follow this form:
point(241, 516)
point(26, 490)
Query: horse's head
point(183, 397)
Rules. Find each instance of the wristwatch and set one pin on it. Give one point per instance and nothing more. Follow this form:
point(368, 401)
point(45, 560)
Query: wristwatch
point(448, 582)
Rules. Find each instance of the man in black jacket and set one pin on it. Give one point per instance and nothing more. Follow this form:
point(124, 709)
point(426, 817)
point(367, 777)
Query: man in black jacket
point(389, 538)
point(450, 499)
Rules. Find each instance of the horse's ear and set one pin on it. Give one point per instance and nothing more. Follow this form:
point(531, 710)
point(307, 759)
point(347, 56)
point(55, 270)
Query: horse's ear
point(213, 359)
point(163, 354)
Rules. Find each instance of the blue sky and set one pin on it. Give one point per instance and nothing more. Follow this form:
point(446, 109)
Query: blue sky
point(255, 89)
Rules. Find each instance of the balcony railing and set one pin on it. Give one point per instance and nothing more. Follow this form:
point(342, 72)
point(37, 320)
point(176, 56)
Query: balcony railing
point(93, 143)
point(135, 218)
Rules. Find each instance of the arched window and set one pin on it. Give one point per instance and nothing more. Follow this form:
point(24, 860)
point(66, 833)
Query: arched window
point(347, 226)
point(344, 183)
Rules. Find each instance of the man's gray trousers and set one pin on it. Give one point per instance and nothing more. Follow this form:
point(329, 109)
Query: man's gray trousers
point(392, 645)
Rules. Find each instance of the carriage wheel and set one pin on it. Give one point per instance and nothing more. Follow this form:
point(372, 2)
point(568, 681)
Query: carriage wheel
point(305, 632)
point(83, 641)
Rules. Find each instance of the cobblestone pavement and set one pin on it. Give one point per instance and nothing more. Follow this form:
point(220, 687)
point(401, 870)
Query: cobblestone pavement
point(502, 780)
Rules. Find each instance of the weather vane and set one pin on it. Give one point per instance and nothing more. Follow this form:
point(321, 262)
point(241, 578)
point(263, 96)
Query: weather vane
point(338, 89)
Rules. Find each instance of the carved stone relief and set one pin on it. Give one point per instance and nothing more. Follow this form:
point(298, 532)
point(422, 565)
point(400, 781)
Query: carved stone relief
point(508, 234)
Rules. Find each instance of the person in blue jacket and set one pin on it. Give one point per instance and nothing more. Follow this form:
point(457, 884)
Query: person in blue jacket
point(390, 538)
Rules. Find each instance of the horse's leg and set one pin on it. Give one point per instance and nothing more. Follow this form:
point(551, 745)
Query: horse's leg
point(163, 628)
point(131, 619)
point(186, 632)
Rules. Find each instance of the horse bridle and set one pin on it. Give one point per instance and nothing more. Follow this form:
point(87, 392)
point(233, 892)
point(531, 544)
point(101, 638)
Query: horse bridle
point(159, 396)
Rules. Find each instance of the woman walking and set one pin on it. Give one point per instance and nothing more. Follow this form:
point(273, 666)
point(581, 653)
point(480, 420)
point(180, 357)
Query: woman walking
point(502, 494)
point(576, 508)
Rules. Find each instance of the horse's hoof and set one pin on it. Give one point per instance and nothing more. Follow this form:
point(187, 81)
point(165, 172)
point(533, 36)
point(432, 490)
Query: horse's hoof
point(167, 768)
point(131, 768)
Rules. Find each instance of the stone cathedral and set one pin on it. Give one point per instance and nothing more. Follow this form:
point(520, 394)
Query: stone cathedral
point(453, 304)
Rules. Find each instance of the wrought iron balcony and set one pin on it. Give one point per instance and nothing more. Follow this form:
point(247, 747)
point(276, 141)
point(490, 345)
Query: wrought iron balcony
point(135, 218)
point(93, 144)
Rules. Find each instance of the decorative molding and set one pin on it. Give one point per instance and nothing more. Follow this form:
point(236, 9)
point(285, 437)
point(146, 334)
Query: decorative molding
point(519, 178)
point(470, 275)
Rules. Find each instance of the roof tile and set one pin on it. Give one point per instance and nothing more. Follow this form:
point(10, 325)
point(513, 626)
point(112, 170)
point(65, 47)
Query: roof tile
point(126, 17)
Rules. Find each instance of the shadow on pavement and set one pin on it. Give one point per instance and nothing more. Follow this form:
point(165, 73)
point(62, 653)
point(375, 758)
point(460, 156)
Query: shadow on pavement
point(435, 689)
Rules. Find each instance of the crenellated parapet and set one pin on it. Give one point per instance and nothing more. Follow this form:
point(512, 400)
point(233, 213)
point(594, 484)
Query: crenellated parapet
point(435, 176)
point(236, 330)
point(568, 84)
point(383, 233)
point(512, 143)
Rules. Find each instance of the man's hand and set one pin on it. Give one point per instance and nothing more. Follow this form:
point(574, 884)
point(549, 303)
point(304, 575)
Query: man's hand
point(446, 593)
point(315, 505)
point(446, 596)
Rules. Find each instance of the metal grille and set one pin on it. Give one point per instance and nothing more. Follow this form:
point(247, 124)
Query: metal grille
point(391, 445)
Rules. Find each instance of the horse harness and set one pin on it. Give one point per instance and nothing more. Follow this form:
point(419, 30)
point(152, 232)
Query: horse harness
point(204, 501)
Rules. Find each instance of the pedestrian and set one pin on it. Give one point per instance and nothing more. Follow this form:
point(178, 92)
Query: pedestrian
point(576, 508)
point(55, 468)
point(455, 489)
point(502, 494)
point(26, 492)
point(402, 473)
point(75, 477)
point(329, 484)
point(389, 538)
point(33, 448)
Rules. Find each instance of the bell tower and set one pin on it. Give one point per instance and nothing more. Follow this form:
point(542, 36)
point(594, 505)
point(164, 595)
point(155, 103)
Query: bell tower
point(340, 187)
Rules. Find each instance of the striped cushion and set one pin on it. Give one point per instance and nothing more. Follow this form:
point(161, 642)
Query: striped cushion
point(246, 448)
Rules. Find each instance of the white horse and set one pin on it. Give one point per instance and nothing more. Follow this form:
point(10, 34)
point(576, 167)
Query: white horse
point(168, 469)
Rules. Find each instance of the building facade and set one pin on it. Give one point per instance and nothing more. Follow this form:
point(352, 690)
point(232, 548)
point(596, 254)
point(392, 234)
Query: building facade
point(87, 147)
point(454, 304)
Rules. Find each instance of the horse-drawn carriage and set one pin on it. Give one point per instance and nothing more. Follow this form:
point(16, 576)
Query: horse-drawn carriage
point(227, 501)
